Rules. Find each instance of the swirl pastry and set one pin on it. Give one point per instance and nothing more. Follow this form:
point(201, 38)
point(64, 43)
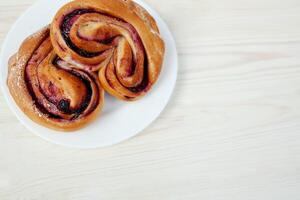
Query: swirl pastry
point(118, 38)
point(49, 90)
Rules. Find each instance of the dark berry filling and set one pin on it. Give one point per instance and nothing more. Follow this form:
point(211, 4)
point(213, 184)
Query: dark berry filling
point(65, 28)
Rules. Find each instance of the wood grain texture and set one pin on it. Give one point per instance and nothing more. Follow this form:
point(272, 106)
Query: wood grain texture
point(231, 131)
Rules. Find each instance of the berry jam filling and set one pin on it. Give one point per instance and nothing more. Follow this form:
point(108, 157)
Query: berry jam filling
point(65, 28)
point(64, 105)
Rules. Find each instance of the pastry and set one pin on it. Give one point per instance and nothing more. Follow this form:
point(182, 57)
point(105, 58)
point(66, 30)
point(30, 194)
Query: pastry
point(59, 74)
point(117, 38)
point(49, 90)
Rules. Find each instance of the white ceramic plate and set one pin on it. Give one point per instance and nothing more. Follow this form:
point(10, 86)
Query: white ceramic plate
point(119, 120)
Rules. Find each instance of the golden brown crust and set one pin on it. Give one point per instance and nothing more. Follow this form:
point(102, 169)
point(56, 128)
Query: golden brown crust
point(130, 30)
point(35, 59)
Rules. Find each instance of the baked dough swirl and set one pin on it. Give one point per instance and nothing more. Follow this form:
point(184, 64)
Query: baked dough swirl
point(118, 38)
point(49, 90)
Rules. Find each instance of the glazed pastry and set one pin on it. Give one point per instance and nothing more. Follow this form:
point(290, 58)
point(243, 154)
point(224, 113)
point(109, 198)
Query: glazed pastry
point(49, 90)
point(118, 38)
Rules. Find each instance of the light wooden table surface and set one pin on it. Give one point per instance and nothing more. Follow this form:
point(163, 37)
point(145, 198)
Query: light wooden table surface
point(231, 131)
